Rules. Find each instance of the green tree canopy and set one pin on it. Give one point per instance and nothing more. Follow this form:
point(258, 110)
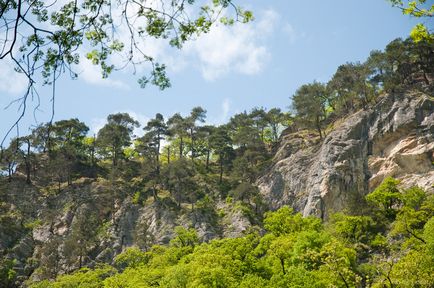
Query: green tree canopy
point(309, 102)
point(116, 135)
point(156, 132)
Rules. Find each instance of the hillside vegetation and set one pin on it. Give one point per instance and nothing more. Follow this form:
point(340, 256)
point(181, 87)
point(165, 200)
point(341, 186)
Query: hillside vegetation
point(198, 217)
point(391, 245)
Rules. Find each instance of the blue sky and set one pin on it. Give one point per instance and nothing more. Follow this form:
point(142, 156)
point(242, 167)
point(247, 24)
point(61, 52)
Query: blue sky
point(231, 69)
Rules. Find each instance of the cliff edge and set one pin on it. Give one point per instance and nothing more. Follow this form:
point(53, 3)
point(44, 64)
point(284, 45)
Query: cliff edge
point(394, 137)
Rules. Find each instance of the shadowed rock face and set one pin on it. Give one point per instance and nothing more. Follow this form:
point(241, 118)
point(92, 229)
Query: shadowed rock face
point(393, 138)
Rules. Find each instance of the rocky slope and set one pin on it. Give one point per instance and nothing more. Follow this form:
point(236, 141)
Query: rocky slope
point(394, 138)
point(93, 220)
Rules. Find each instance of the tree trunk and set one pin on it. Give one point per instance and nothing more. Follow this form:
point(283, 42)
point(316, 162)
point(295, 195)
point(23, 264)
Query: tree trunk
point(319, 131)
point(221, 169)
point(318, 127)
point(10, 172)
point(192, 144)
point(275, 136)
point(28, 166)
point(115, 156)
point(158, 154)
point(154, 194)
point(168, 155)
point(181, 148)
point(47, 144)
point(208, 152)
point(365, 97)
point(425, 78)
point(282, 263)
point(92, 152)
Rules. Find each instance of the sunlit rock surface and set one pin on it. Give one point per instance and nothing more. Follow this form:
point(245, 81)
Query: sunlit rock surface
point(393, 138)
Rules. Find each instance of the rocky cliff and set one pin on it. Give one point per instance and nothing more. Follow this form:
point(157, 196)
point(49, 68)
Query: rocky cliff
point(394, 138)
point(55, 230)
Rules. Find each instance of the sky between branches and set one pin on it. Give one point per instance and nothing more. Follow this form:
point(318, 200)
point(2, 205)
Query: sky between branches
point(229, 70)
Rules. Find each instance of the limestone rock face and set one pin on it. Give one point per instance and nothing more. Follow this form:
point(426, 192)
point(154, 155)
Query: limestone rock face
point(92, 221)
point(393, 138)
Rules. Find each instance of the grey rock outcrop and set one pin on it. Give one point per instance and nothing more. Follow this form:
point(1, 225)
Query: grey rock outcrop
point(92, 221)
point(393, 138)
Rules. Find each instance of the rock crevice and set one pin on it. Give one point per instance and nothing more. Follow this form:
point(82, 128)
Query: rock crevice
point(394, 138)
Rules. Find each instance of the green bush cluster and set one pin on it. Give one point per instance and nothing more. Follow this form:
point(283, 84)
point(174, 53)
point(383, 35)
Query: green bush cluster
point(378, 249)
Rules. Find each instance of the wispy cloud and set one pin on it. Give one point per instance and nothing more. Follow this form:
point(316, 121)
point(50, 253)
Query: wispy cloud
point(236, 49)
point(97, 123)
point(239, 49)
point(226, 106)
point(141, 118)
point(11, 81)
point(289, 32)
point(223, 114)
point(92, 74)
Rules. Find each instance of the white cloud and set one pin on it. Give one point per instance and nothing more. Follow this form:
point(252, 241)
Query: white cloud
point(226, 106)
point(92, 74)
point(222, 116)
point(141, 118)
point(11, 81)
point(158, 49)
point(97, 123)
point(289, 31)
point(240, 48)
point(268, 21)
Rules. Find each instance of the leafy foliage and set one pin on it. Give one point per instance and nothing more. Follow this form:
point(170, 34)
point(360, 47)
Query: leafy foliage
point(418, 9)
point(294, 252)
point(205, 172)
